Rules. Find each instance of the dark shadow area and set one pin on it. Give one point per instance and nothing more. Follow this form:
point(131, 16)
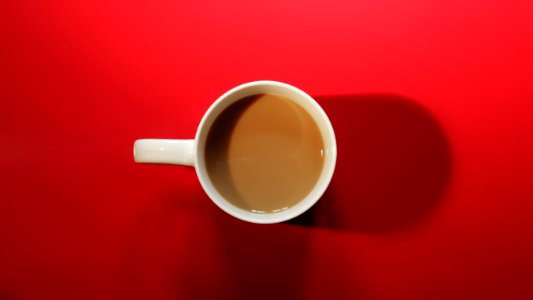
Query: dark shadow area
point(263, 261)
point(184, 247)
point(6, 296)
point(393, 165)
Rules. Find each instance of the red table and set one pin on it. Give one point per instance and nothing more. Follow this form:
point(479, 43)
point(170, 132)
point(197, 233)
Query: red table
point(432, 103)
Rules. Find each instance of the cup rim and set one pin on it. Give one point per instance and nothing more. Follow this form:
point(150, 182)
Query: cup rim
point(304, 204)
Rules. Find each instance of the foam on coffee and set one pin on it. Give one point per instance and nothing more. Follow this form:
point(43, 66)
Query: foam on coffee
point(264, 153)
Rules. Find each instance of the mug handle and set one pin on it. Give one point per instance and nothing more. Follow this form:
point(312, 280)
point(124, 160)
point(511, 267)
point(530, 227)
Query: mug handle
point(163, 151)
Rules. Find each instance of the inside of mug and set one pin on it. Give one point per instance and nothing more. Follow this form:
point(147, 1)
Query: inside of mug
point(299, 97)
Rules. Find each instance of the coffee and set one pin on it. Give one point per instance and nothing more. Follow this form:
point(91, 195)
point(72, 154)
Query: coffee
point(264, 153)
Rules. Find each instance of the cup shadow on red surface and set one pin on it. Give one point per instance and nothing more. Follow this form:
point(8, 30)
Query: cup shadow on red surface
point(5, 296)
point(393, 165)
point(264, 262)
point(184, 247)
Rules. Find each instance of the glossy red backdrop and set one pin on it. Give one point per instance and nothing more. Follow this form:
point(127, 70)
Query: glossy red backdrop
point(432, 102)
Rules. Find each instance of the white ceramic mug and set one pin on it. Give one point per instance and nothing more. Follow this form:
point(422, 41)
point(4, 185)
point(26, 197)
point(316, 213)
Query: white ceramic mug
point(191, 152)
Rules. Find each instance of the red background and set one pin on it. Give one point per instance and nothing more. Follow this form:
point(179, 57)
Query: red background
point(432, 103)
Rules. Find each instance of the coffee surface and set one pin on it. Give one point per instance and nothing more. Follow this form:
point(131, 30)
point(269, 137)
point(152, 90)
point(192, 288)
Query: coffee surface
point(264, 153)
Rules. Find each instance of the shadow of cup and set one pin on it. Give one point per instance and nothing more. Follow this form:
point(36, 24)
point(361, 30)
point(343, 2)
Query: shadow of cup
point(393, 165)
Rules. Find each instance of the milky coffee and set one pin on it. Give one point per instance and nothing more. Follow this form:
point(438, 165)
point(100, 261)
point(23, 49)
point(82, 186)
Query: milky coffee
point(264, 153)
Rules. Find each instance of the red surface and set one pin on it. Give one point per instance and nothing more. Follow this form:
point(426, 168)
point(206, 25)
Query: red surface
point(432, 103)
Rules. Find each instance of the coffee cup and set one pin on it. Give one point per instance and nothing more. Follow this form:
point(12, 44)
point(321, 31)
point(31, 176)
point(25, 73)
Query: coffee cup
point(264, 152)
